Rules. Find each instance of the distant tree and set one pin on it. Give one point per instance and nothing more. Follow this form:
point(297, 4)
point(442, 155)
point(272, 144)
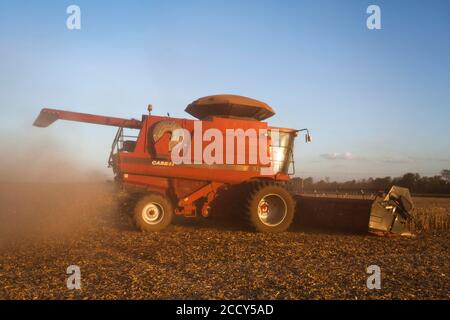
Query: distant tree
point(308, 183)
point(382, 183)
point(445, 173)
point(413, 181)
point(409, 180)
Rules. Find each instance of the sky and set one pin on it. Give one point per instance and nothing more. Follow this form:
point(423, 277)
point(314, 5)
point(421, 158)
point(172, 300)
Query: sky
point(377, 102)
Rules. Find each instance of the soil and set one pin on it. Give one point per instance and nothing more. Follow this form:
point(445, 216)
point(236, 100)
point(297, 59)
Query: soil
point(44, 228)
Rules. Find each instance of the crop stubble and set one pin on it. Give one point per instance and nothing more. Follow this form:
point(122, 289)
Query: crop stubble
point(44, 228)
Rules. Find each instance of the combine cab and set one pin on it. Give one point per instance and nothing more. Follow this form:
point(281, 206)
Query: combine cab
point(181, 167)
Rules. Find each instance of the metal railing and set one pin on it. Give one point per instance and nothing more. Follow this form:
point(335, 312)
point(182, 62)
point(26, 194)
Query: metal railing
point(117, 145)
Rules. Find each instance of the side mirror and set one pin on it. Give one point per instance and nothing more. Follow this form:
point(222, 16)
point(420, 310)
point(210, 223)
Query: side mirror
point(308, 138)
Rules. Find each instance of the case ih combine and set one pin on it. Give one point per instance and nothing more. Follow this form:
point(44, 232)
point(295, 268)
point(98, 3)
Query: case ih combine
point(228, 159)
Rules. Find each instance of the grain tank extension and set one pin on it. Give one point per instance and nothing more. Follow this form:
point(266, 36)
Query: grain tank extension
point(162, 186)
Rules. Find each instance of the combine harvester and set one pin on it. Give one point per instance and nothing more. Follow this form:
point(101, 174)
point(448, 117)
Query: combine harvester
point(252, 182)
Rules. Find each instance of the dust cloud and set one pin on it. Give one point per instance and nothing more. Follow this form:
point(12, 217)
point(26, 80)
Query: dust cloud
point(45, 192)
point(28, 158)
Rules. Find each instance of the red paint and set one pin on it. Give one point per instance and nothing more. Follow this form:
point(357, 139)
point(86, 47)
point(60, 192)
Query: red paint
point(144, 167)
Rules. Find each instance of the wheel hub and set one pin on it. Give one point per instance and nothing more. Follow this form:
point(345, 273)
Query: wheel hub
point(272, 210)
point(152, 213)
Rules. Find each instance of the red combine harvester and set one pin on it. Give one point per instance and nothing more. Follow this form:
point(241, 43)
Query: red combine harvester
point(245, 158)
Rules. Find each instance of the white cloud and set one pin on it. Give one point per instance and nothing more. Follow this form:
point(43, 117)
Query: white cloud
point(340, 156)
point(398, 160)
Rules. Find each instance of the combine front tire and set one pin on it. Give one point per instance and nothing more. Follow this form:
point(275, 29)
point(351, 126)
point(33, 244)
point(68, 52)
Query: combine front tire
point(270, 207)
point(153, 212)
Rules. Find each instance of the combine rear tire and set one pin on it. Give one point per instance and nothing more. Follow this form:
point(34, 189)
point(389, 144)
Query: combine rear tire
point(153, 212)
point(270, 207)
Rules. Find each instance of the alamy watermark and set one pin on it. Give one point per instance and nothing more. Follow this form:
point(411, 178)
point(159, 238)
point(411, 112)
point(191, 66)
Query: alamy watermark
point(74, 279)
point(374, 280)
point(73, 21)
point(373, 22)
point(234, 146)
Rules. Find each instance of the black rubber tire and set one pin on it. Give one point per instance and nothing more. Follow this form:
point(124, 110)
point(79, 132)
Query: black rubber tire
point(162, 203)
point(227, 210)
point(258, 190)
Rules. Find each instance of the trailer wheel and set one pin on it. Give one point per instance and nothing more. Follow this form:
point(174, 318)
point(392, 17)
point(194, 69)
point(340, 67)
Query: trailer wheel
point(153, 212)
point(270, 207)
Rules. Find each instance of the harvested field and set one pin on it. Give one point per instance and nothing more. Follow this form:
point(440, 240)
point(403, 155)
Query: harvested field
point(46, 228)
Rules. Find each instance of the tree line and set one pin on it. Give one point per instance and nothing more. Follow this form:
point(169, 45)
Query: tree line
point(439, 184)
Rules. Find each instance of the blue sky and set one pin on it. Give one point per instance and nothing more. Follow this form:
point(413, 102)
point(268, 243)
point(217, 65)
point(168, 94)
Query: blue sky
point(377, 102)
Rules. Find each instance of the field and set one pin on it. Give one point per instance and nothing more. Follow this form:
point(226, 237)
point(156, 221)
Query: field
point(44, 228)
point(432, 214)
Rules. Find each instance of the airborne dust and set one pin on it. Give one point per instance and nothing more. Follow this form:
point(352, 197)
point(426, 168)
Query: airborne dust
point(44, 191)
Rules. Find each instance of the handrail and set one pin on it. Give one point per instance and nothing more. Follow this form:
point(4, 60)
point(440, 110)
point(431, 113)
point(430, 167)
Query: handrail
point(114, 146)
